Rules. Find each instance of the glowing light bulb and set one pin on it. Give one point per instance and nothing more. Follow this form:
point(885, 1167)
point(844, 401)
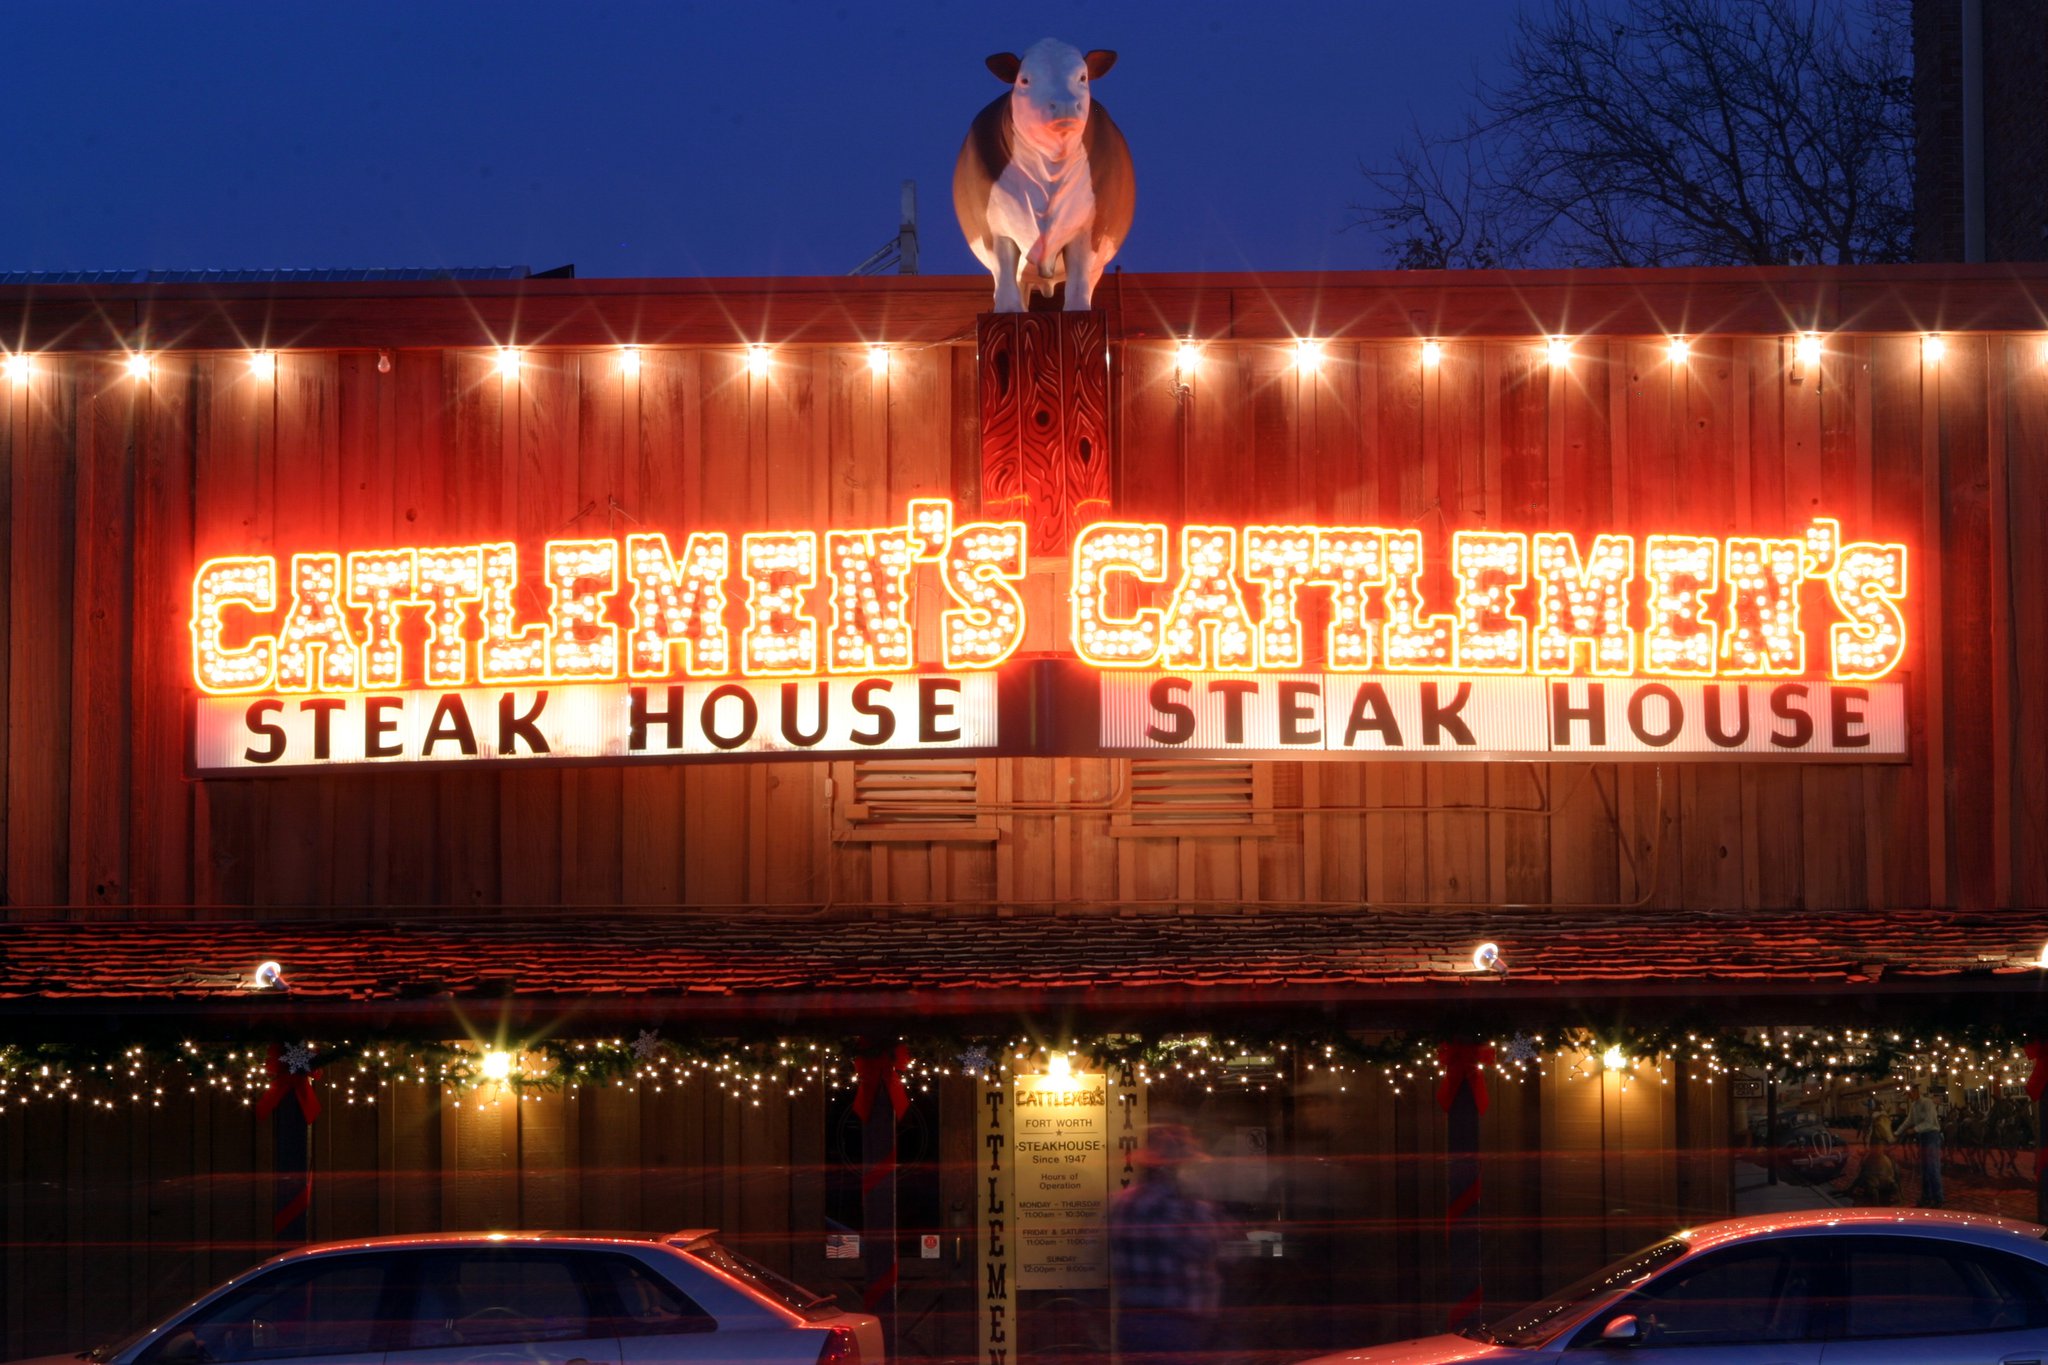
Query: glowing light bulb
point(263, 364)
point(1486, 956)
point(1058, 1067)
point(1432, 353)
point(496, 1065)
point(1308, 354)
point(1560, 350)
point(1188, 358)
point(1680, 349)
point(139, 365)
point(878, 359)
point(18, 367)
point(757, 360)
point(1612, 1059)
point(269, 976)
point(629, 360)
point(1932, 348)
point(1808, 348)
point(508, 361)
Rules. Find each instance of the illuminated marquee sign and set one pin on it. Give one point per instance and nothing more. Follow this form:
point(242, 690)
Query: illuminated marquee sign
point(1294, 641)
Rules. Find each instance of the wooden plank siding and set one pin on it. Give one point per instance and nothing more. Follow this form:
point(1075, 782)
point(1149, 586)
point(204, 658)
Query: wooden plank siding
point(113, 489)
point(116, 487)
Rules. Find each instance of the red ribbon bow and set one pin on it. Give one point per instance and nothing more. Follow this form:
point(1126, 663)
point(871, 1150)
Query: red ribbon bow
point(1461, 1063)
point(2037, 1079)
point(285, 1081)
point(881, 1068)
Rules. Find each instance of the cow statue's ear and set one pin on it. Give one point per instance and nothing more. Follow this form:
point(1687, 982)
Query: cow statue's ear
point(1099, 61)
point(1006, 65)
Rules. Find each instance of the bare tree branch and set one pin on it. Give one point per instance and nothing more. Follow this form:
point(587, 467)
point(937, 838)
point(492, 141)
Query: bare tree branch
point(1666, 132)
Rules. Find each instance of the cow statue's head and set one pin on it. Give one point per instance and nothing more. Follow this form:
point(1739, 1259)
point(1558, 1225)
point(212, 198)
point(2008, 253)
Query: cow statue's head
point(1049, 98)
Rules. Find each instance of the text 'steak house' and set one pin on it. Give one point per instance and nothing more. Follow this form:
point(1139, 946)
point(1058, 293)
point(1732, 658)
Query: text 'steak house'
point(1513, 759)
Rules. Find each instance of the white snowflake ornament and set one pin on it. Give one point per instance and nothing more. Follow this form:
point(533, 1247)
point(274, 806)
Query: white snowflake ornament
point(298, 1059)
point(646, 1045)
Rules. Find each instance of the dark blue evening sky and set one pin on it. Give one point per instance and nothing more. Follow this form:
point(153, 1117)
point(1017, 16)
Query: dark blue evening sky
point(752, 137)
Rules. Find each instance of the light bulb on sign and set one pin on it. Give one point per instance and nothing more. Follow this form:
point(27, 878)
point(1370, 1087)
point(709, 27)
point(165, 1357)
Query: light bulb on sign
point(1932, 348)
point(139, 365)
point(878, 359)
point(1680, 349)
point(18, 367)
point(757, 360)
point(496, 1065)
point(1808, 348)
point(263, 364)
point(508, 361)
point(1432, 353)
point(629, 360)
point(1308, 355)
point(1560, 350)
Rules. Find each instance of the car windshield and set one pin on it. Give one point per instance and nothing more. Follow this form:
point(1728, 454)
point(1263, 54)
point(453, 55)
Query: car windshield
point(760, 1278)
point(1539, 1322)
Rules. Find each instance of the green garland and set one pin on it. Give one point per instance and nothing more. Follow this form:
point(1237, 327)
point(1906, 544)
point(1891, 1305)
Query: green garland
point(750, 1069)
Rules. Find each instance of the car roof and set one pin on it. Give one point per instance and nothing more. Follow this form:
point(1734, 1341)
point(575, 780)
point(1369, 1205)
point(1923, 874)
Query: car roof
point(1951, 1223)
point(520, 1237)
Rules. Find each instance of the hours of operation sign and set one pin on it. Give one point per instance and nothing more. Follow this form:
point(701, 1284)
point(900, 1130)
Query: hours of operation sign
point(1062, 1190)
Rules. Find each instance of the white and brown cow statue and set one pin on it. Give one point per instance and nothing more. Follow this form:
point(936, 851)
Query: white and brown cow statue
point(1043, 187)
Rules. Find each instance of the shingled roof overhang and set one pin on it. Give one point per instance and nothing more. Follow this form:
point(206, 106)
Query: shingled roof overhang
point(773, 968)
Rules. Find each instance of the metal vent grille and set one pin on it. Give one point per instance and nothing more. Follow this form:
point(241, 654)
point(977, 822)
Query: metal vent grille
point(1165, 792)
point(928, 793)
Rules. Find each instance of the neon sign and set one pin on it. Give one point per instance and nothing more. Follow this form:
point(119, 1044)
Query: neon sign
point(1229, 600)
point(716, 630)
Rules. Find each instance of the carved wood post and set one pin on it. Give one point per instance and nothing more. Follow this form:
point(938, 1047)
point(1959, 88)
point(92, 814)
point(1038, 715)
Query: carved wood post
point(1044, 422)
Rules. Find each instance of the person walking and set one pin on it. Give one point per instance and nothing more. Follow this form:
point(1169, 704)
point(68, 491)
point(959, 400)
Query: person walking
point(1163, 1244)
point(1923, 1125)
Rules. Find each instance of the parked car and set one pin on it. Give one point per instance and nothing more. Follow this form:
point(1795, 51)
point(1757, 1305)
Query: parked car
point(1815, 1287)
point(530, 1298)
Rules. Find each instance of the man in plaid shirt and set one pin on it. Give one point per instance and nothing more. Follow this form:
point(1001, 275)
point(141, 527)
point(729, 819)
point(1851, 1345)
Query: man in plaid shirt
point(1162, 1253)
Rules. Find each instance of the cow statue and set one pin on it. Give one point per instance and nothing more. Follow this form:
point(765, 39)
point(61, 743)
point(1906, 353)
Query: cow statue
point(1043, 187)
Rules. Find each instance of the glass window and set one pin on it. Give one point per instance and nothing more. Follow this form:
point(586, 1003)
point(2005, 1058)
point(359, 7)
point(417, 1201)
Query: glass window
point(1531, 1327)
point(645, 1304)
point(1913, 1287)
point(1744, 1294)
point(763, 1280)
point(330, 1306)
point(496, 1297)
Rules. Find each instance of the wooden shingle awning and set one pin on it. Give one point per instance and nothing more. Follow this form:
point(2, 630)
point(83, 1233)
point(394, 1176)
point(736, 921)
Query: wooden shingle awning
point(779, 967)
